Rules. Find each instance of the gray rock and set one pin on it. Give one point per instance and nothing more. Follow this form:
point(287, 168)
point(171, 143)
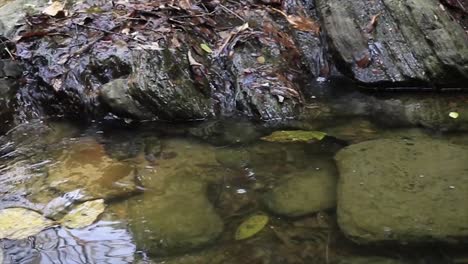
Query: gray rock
point(176, 221)
point(403, 190)
point(412, 42)
point(13, 11)
point(116, 95)
point(307, 192)
point(162, 81)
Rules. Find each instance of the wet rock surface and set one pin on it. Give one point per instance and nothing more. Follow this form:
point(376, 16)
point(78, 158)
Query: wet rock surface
point(395, 43)
point(402, 190)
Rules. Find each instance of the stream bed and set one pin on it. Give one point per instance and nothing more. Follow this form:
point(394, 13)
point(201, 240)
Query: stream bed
point(178, 193)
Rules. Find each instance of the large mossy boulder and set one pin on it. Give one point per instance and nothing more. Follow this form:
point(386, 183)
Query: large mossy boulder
point(403, 191)
point(397, 43)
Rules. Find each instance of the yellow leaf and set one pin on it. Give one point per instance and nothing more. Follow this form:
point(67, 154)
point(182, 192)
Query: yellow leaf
point(206, 48)
point(261, 59)
point(84, 215)
point(251, 226)
point(294, 136)
point(454, 115)
point(20, 223)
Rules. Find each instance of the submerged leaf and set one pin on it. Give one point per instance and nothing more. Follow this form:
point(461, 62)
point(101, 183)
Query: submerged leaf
point(20, 223)
point(294, 136)
point(84, 215)
point(251, 226)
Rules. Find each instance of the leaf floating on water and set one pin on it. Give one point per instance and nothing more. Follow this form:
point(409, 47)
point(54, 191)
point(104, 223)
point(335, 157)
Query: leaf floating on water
point(251, 226)
point(294, 136)
point(21, 223)
point(206, 48)
point(84, 215)
point(454, 115)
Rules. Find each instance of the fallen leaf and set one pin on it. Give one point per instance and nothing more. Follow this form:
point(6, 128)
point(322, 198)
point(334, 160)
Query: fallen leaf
point(84, 215)
point(294, 136)
point(261, 59)
point(206, 48)
point(54, 8)
point(191, 60)
point(21, 223)
point(373, 22)
point(251, 226)
point(454, 115)
point(300, 22)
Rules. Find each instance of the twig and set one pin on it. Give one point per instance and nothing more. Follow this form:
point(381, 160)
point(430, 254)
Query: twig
point(231, 12)
point(9, 53)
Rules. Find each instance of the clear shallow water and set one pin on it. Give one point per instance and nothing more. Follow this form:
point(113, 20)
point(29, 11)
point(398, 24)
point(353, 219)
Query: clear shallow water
point(187, 179)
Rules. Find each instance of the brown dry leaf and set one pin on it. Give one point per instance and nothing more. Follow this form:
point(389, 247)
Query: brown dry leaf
point(364, 61)
point(229, 37)
point(303, 24)
point(54, 8)
point(372, 23)
point(300, 22)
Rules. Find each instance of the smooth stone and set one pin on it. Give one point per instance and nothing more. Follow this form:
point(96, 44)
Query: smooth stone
point(303, 193)
point(403, 191)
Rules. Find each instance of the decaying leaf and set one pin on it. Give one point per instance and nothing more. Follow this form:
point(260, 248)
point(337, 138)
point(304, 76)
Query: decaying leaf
point(251, 226)
point(372, 23)
point(294, 136)
point(84, 215)
point(191, 60)
point(21, 223)
point(300, 22)
point(229, 37)
point(54, 8)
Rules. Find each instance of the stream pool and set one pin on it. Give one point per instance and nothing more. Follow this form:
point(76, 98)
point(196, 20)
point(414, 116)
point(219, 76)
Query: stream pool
point(177, 193)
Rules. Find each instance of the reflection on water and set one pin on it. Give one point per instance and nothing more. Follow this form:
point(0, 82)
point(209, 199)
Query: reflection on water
point(176, 194)
point(103, 242)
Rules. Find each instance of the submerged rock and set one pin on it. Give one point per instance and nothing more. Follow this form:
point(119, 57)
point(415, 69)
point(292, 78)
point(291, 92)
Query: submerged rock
point(397, 44)
point(307, 192)
point(85, 166)
point(179, 220)
point(370, 260)
point(174, 214)
point(403, 190)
